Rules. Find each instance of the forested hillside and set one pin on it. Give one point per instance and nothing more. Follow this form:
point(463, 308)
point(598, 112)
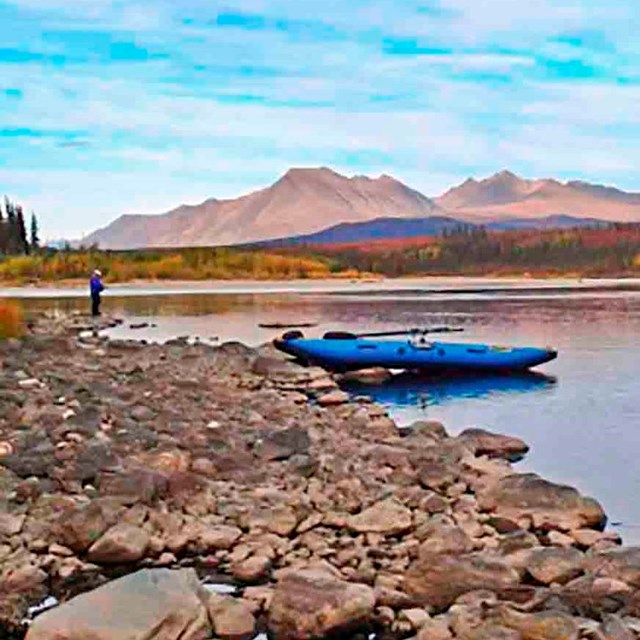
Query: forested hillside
point(614, 250)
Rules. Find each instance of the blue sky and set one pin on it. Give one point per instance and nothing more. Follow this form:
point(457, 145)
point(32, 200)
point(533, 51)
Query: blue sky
point(112, 106)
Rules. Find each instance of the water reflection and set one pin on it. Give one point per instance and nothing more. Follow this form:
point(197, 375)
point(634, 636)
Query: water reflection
point(421, 392)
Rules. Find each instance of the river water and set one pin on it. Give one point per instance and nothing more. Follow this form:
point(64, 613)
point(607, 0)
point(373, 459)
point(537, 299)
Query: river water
point(581, 418)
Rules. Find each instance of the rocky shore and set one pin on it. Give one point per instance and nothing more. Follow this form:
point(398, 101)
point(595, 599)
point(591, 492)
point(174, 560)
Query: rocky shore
point(133, 475)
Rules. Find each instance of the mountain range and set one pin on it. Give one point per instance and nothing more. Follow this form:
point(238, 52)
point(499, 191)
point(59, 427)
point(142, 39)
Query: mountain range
point(396, 228)
point(304, 202)
point(506, 195)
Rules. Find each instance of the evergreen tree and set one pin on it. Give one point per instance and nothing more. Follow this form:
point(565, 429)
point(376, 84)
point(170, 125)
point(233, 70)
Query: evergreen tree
point(21, 232)
point(9, 208)
point(12, 242)
point(3, 231)
point(35, 239)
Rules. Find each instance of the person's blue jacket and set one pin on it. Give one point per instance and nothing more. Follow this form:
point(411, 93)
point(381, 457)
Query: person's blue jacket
point(96, 286)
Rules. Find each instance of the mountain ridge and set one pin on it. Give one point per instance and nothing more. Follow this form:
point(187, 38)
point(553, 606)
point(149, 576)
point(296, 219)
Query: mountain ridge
point(404, 228)
point(306, 201)
point(300, 201)
point(507, 195)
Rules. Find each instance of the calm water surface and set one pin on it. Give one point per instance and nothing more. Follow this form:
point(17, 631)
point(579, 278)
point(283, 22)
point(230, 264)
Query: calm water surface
point(582, 422)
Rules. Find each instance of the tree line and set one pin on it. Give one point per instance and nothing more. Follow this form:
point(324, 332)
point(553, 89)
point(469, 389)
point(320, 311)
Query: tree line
point(15, 238)
point(604, 250)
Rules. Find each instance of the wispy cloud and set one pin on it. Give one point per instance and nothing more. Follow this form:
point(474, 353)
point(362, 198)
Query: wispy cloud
point(109, 107)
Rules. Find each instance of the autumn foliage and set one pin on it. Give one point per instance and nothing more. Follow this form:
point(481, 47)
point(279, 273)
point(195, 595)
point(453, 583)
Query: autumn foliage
point(10, 320)
point(611, 251)
point(604, 251)
point(183, 264)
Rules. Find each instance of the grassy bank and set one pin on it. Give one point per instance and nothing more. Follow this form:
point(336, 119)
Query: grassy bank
point(183, 264)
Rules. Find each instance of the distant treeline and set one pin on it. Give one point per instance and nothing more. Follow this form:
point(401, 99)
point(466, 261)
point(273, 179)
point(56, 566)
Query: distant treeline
point(14, 238)
point(610, 250)
point(613, 250)
point(180, 264)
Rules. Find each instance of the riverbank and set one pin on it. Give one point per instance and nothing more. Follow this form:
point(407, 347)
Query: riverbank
point(440, 284)
point(231, 464)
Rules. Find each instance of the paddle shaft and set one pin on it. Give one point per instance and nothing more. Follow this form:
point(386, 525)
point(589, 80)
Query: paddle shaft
point(388, 334)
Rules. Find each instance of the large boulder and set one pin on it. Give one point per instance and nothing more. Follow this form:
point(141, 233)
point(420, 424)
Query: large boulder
point(437, 580)
point(151, 604)
point(11, 524)
point(280, 519)
point(438, 466)
point(231, 617)
point(546, 625)
point(490, 631)
point(121, 544)
point(439, 537)
point(80, 527)
point(613, 628)
point(621, 564)
point(388, 518)
point(551, 564)
point(276, 367)
point(134, 485)
point(312, 603)
point(93, 458)
point(592, 596)
point(217, 538)
point(435, 630)
point(429, 429)
point(35, 458)
point(549, 506)
point(494, 445)
point(283, 444)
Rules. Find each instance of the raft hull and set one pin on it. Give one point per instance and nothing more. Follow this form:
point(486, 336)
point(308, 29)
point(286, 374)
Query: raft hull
point(359, 353)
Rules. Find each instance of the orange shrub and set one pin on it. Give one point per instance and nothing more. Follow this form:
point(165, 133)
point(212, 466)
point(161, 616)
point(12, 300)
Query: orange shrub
point(10, 320)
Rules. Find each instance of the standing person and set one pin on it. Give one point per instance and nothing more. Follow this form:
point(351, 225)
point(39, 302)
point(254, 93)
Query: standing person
point(96, 287)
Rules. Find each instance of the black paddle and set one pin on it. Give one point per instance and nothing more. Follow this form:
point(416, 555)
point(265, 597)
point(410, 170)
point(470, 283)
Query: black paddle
point(343, 335)
point(385, 334)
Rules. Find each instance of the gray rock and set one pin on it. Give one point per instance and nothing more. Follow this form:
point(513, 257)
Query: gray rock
point(159, 604)
point(283, 444)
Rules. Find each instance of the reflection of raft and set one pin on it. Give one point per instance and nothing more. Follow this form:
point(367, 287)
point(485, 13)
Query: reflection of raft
point(348, 352)
point(408, 390)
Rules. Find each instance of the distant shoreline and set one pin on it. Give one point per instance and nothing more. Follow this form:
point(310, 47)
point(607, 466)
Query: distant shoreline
point(442, 284)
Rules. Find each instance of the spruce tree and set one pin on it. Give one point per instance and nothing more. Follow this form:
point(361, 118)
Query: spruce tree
point(3, 231)
point(35, 239)
point(21, 231)
point(13, 242)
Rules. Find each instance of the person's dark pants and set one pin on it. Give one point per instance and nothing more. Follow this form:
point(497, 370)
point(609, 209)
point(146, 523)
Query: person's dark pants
point(95, 304)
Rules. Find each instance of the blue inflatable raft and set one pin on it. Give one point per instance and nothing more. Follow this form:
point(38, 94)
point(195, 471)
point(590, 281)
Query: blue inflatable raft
point(349, 352)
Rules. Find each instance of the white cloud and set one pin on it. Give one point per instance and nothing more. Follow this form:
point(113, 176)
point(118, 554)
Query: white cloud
point(162, 132)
